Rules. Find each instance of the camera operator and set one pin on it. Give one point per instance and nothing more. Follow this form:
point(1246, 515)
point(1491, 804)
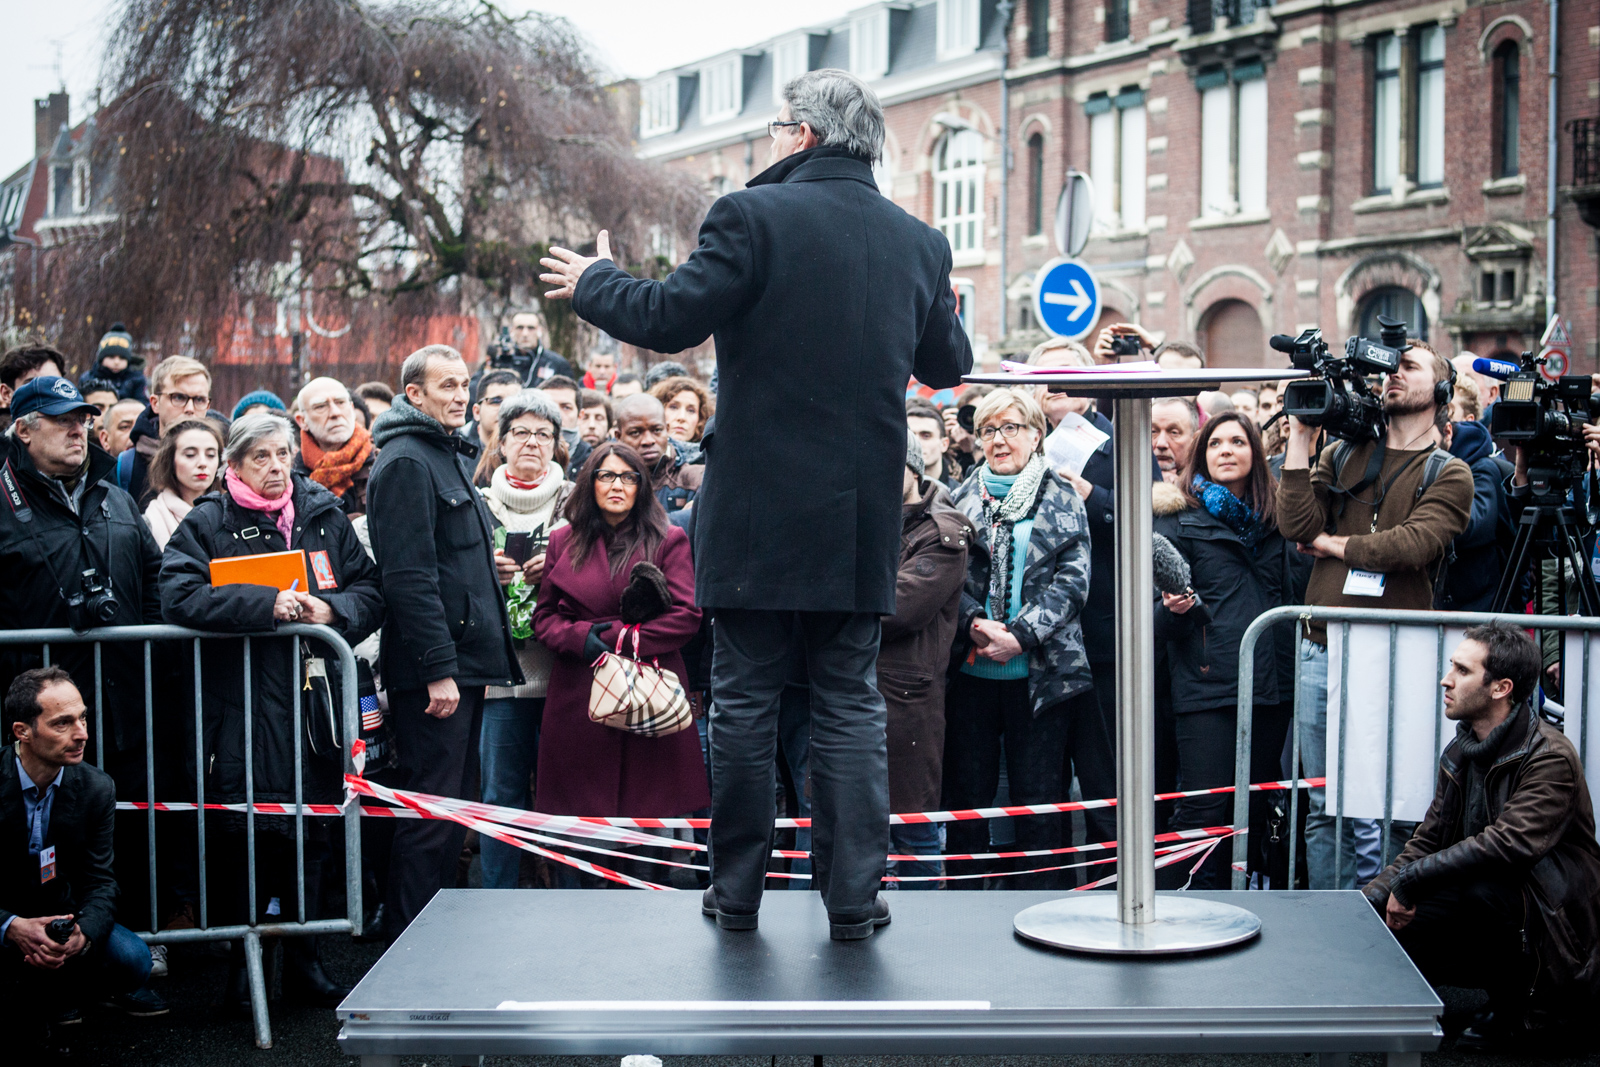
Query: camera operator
point(1376, 524)
point(58, 896)
point(521, 348)
point(1498, 887)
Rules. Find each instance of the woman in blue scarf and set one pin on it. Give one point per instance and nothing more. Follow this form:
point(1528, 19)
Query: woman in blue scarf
point(1221, 518)
point(1023, 673)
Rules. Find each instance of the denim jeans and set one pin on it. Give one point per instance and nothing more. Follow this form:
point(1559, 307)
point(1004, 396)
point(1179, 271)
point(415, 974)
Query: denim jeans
point(915, 839)
point(120, 965)
point(508, 749)
point(1360, 850)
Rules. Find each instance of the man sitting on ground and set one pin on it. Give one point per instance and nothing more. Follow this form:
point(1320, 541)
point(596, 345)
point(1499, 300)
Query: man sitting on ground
point(56, 815)
point(1499, 888)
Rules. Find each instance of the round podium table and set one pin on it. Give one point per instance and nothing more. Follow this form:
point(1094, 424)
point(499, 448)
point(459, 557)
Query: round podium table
point(1130, 924)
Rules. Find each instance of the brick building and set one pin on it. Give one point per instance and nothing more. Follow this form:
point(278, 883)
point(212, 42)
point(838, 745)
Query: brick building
point(1257, 169)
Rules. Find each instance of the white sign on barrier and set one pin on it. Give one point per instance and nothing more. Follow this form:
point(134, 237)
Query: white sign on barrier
point(1421, 730)
point(1583, 706)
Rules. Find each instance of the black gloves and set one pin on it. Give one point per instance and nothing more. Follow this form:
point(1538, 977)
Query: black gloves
point(595, 645)
point(646, 596)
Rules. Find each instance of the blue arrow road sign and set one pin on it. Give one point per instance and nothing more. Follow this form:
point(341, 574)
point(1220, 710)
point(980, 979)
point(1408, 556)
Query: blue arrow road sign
point(1066, 298)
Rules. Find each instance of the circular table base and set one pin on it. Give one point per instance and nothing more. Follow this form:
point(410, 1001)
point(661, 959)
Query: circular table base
point(1088, 922)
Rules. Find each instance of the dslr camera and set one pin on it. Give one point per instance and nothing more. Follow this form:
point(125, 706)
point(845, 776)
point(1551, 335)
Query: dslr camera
point(1340, 399)
point(1544, 418)
point(1125, 344)
point(95, 604)
point(505, 355)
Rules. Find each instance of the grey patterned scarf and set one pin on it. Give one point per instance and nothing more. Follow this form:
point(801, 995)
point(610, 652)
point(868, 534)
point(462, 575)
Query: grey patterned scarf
point(1000, 515)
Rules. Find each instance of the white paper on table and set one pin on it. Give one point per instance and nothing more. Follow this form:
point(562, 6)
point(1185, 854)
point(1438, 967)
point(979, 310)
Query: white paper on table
point(1582, 695)
point(1072, 442)
point(1421, 730)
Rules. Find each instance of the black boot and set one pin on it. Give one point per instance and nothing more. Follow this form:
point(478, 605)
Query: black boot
point(303, 976)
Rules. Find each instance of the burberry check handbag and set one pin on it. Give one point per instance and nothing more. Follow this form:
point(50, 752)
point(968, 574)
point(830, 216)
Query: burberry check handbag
point(629, 695)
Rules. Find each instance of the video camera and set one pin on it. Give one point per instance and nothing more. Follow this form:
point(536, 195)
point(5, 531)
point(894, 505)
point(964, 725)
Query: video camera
point(505, 355)
point(1544, 418)
point(1340, 399)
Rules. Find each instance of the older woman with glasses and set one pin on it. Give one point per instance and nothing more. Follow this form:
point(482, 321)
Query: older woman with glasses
point(1024, 675)
point(265, 507)
point(526, 493)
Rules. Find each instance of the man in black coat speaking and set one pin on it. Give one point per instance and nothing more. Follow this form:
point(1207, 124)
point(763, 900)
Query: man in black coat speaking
point(824, 299)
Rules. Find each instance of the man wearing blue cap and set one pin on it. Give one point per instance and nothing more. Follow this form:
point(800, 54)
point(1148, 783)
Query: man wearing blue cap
point(67, 533)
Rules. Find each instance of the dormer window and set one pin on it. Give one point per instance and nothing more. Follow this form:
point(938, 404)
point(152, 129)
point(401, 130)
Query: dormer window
point(82, 189)
point(791, 57)
point(958, 28)
point(658, 106)
point(721, 89)
point(869, 44)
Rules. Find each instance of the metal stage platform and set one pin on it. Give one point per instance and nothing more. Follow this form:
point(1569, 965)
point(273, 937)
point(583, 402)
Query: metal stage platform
point(611, 973)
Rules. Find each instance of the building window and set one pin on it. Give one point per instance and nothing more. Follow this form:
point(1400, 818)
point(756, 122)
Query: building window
point(720, 90)
point(1117, 159)
point(958, 190)
point(82, 187)
point(1508, 105)
point(658, 106)
point(1036, 184)
point(664, 244)
point(1498, 286)
point(1408, 110)
point(957, 28)
point(1394, 303)
point(60, 192)
point(1117, 20)
point(869, 45)
point(1038, 28)
point(790, 58)
point(1233, 141)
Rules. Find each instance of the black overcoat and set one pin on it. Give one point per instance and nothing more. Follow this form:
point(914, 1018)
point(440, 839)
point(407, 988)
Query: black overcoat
point(824, 299)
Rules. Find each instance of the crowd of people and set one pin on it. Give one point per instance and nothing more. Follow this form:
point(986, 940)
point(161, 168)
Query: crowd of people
point(480, 535)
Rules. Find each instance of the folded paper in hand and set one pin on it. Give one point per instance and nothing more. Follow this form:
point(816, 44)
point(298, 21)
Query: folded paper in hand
point(1071, 443)
point(279, 570)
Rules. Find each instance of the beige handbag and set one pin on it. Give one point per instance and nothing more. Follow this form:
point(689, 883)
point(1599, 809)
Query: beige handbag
point(628, 695)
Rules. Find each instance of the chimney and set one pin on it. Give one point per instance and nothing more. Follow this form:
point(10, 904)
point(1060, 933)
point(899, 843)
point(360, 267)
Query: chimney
point(49, 115)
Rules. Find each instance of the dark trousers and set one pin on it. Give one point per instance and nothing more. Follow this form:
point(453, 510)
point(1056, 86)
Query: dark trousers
point(848, 758)
point(978, 712)
point(1206, 750)
point(438, 756)
point(30, 995)
point(1470, 935)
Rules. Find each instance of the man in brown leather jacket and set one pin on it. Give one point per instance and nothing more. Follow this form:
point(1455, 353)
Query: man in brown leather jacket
point(1499, 888)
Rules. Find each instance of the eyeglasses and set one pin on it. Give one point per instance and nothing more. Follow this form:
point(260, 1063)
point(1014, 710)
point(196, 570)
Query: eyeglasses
point(184, 400)
point(73, 420)
point(612, 477)
point(1008, 430)
point(519, 436)
point(493, 401)
point(774, 127)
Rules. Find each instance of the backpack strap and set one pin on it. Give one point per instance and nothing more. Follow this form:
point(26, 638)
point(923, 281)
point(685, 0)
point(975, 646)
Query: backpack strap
point(125, 470)
point(1431, 467)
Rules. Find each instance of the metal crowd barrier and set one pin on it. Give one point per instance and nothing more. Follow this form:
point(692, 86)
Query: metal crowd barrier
point(250, 933)
point(1439, 621)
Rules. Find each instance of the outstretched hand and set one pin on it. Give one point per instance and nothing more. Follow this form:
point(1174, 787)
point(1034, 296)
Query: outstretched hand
point(566, 266)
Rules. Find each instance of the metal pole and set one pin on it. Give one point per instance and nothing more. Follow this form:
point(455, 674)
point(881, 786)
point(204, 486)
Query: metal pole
point(1552, 202)
point(1136, 698)
point(1003, 12)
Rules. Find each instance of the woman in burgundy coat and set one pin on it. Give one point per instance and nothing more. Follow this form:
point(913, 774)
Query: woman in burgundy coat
point(615, 523)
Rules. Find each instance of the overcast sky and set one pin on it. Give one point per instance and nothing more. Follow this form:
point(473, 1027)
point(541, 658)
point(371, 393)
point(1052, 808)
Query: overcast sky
point(630, 38)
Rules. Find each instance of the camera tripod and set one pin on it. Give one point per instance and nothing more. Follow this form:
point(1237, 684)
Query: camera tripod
point(1548, 530)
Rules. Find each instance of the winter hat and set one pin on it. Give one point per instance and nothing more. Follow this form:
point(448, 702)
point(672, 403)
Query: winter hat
point(260, 396)
point(117, 341)
point(914, 456)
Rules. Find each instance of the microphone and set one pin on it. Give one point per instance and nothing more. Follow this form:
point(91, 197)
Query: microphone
point(1171, 573)
point(1282, 342)
point(1495, 368)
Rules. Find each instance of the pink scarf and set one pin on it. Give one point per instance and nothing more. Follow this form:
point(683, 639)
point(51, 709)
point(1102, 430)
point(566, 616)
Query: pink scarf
point(247, 497)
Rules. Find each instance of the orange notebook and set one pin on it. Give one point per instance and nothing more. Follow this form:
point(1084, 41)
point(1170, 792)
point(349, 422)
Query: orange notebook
point(276, 569)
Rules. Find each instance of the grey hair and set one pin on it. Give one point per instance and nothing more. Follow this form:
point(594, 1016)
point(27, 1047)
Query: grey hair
point(414, 371)
point(529, 402)
point(840, 109)
point(29, 420)
point(252, 427)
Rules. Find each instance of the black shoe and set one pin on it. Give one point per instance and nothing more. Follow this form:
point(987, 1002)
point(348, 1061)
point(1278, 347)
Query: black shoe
point(726, 920)
point(141, 1004)
point(845, 928)
point(68, 1017)
point(303, 976)
point(371, 926)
